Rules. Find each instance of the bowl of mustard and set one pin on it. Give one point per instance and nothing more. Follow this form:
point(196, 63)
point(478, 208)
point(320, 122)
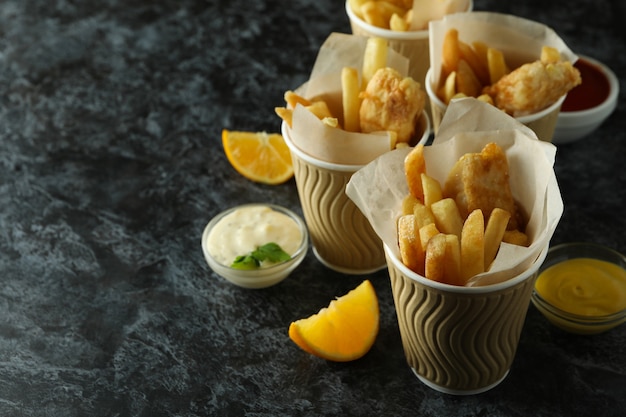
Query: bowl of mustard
point(581, 288)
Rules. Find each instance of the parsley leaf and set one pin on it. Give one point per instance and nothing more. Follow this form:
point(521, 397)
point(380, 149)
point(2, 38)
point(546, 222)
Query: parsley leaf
point(270, 251)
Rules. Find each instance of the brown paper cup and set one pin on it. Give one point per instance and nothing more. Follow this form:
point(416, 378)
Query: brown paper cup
point(342, 237)
point(460, 340)
point(542, 123)
point(414, 45)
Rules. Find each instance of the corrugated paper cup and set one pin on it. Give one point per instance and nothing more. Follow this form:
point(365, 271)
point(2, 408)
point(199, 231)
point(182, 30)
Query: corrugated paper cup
point(343, 239)
point(460, 340)
point(543, 123)
point(414, 44)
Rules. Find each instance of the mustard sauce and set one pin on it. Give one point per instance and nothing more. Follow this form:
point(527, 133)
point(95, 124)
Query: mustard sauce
point(584, 286)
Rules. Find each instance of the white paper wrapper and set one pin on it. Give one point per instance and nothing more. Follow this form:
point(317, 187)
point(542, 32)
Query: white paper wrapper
point(315, 138)
point(468, 125)
point(519, 39)
point(426, 10)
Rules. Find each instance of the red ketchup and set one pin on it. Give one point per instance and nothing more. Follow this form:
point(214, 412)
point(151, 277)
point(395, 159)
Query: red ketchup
point(593, 90)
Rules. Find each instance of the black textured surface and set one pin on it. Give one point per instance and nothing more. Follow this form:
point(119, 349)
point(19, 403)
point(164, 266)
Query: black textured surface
point(111, 164)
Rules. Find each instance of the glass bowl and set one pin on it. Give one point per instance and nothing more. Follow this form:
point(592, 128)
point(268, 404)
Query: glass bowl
point(265, 276)
point(586, 290)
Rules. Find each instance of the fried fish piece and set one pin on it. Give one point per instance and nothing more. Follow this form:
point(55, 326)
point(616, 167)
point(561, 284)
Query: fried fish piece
point(534, 86)
point(481, 181)
point(391, 102)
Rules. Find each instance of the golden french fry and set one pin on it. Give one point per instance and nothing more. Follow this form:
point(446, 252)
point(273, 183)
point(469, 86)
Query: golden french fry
point(330, 121)
point(486, 98)
point(285, 114)
point(320, 109)
point(466, 81)
point(398, 23)
point(449, 88)
point(515, 237)
point(496, 65)
point(414, 167)
point(292, 99)
point(550, 55)
point(408, 204)
point(494, 231)
point(374, 58)
point(351, 102)
point(447, 216)
point(432, 190)
point(423, 215)
point(411, 251)
point(450, 53)
point(426, 232)
point(474, 61)
point(452, 261)
point(356, 5)
point(473, 245)
point(480, 48)
point(434, 260)
point(370, 13)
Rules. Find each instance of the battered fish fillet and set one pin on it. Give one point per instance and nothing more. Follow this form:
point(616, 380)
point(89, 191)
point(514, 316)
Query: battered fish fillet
point(391, 102)
point(533, 87)
point(481, 181)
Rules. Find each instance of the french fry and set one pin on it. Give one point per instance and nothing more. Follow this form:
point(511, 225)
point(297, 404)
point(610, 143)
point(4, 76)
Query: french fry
point(451, 52)
point(432, 190)
point(285, 114)
point(480, 49)
point(374, 58)
point(320, 109)
point(550, 55)
point(494, 231)
point(469, 55)
point(411, 251)
point(330, 121)
point(370, 13)
point(351, 102)
point(292, 99)
point(447, 216)
point(434, 260)
point(452, 261)
point(496, 65)
point(515, 237)
point(426, 232)
point(408, 204)
point(398, 23)
point(423, 215)
point(414, 167)
point(466, 80)
point(356, 5)
point(449, 88)
point(473, 245)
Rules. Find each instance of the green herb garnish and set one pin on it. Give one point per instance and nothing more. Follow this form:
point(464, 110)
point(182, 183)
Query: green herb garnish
point(269, 252)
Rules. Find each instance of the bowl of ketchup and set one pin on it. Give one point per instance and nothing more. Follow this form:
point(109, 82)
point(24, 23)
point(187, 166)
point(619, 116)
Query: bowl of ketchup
point(589, 104)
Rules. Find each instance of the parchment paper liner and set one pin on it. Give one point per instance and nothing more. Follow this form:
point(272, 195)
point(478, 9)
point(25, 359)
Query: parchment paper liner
point(333, 145)
point(379, 187)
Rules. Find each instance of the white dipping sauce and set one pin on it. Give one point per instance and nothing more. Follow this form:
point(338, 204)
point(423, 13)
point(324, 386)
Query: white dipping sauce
point(247, 228)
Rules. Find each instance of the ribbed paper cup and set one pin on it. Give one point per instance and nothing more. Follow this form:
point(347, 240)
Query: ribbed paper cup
point(342, 238)
point(542, 122)
point(460, 340)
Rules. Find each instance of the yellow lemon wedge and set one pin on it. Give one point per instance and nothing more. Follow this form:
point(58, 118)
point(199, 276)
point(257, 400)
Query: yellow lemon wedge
point(343, 331)
point(259, 156)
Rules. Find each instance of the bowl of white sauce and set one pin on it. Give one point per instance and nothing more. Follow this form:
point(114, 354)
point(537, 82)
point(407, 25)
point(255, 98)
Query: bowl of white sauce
point(255, 245)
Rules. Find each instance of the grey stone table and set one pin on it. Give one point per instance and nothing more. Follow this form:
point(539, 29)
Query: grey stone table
point(111, 165)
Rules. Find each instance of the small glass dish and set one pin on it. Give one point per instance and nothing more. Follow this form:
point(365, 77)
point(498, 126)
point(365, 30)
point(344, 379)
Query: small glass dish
point(265, 276)
point(577, 323)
